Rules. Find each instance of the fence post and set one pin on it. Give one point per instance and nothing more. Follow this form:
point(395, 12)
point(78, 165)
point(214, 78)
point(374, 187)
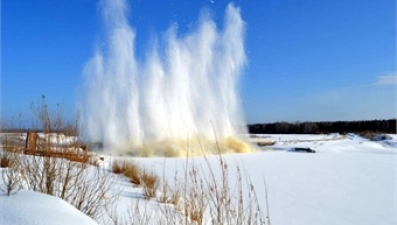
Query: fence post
point(30, 144)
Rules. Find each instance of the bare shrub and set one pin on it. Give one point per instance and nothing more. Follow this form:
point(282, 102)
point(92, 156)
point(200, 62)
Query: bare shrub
point(86, 187)
point(12, 176)
point(93, 193)
point(12, 181)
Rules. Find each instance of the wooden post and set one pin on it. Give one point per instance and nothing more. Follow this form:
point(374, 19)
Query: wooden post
point(30, 144)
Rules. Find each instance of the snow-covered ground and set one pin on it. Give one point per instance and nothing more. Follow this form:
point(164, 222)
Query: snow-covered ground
point(28, 207)
point(349, 180)
point(330, 143)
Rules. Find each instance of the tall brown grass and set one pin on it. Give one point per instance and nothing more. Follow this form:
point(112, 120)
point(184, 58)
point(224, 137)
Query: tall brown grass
point(138, 175)
point(202, 199)
point(129, 169)
point(150, 183)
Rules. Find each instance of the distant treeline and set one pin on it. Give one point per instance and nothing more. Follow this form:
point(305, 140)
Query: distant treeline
point(363, 126)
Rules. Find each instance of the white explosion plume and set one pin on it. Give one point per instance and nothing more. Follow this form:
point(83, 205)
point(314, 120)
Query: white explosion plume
point(187, 90)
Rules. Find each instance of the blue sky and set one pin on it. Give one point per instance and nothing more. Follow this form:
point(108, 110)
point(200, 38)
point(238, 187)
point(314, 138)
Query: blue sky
point(307, 60)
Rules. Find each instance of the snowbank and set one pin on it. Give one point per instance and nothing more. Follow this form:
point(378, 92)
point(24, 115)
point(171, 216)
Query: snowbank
point(28, 208)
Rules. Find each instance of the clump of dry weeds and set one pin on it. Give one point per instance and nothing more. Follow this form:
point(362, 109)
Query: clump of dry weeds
point(129, 169)
point(150, 183)
point(138, 176)
point(6, 160)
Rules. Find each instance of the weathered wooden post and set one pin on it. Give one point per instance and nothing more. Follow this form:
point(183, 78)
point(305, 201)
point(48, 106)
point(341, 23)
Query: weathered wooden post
point(30, 144)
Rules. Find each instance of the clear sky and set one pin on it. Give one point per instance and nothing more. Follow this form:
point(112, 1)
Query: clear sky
point(307, 60)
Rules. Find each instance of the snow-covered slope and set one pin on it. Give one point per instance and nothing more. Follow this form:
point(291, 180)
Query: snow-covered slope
point(31, 208)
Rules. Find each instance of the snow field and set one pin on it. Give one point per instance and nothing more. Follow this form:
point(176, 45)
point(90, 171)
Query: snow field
point(347, 181)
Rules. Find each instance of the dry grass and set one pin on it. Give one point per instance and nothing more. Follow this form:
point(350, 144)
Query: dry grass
point(117, 167)
point(150, 183)
point(195, 198)
point(6, 160)
point(132, 171)
point(201, 199)
point(129, 169)
point(204, 196)
point(169, 195)
point(138, 176)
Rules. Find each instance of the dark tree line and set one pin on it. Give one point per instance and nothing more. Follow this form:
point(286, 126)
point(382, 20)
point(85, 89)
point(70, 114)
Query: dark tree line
point(377, 126)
